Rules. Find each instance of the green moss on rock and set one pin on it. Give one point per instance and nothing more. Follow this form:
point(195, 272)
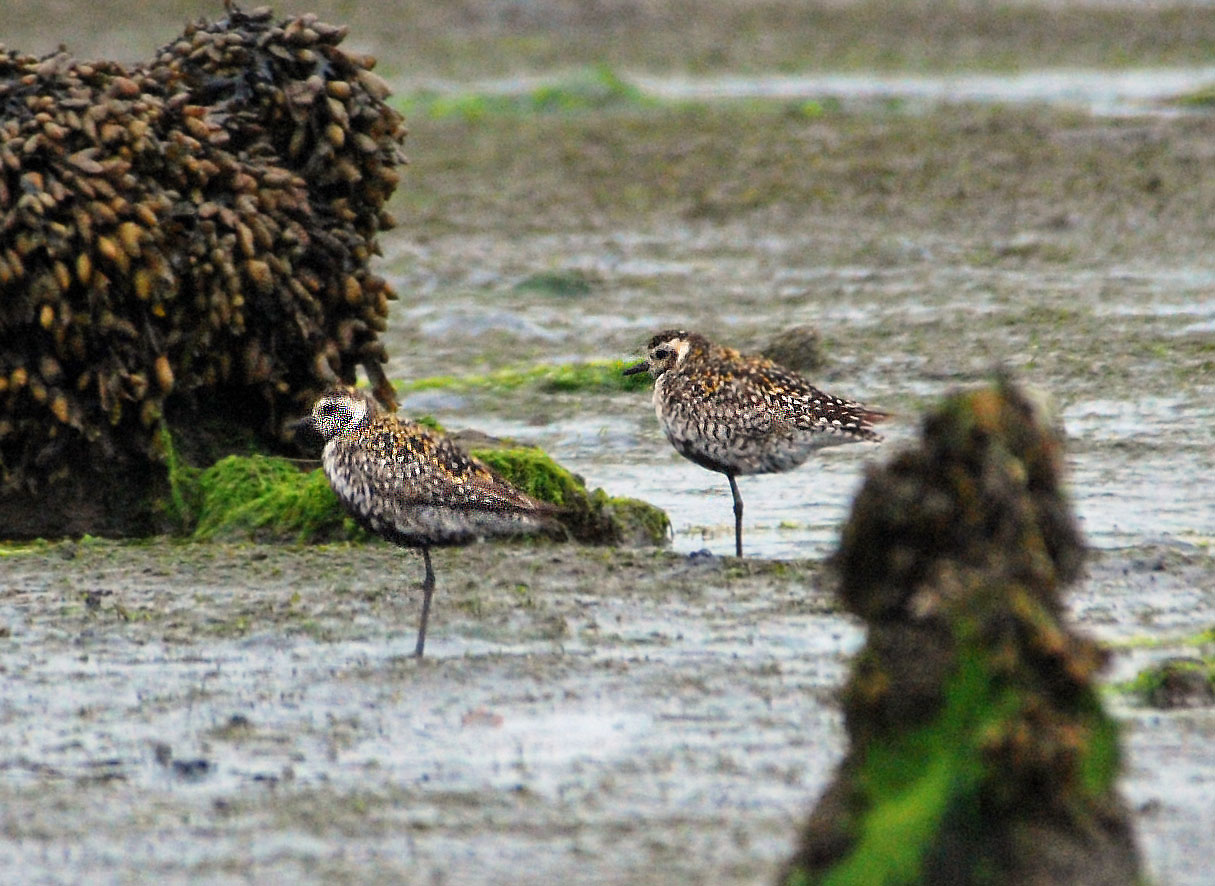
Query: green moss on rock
point(268, 498)
point(912, 783)
point(531, 470)
point(271, 499)
point(183, 501)
point(637, 523)
point(590, 516)
point(1182, 682)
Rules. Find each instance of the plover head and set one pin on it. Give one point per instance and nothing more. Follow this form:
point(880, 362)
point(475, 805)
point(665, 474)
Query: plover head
point(666, 350)
point(339, 411)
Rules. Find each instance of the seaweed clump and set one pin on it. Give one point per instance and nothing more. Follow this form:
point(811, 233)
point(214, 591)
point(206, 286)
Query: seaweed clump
point(1178, 682)
point(179, 239)
point(979, 751)
point(268, 499)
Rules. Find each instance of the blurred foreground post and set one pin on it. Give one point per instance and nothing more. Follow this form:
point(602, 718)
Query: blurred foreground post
point(978, 748)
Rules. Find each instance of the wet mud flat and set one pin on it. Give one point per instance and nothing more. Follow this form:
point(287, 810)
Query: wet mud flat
point(220, 712)
point(232, 712)
point(925, 245)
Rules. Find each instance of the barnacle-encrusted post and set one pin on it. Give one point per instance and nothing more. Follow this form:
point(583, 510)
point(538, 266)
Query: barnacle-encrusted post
point(978, 748)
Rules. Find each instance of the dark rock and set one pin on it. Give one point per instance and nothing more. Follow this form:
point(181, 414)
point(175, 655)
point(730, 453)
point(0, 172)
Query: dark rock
point(1178, 683)
point(799, 348)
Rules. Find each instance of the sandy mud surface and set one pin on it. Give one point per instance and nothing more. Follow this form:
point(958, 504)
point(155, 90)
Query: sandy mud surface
point(227, 713)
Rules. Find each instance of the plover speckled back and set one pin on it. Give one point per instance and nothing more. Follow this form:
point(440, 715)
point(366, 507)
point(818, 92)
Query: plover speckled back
point(738, 414)
point(412, 485)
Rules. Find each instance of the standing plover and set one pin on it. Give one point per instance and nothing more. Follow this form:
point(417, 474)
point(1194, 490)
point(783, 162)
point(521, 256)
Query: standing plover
point(412, 485)
point(738, 414)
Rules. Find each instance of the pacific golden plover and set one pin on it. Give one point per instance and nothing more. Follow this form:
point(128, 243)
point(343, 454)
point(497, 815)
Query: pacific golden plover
point(412, 485)
point(738, 414)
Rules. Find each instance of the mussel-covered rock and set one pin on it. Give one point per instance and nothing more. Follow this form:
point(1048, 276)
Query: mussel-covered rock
point(185, 240)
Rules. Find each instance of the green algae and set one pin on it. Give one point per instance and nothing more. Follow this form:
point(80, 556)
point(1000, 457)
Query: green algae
point(184, 490)
point(916, 783)
point(1205, 637)
point(270, 498)
point(1162, 684)
point(529, 469)
point(638, 522)
point(595, 88)
point(562, 284)
point(595, 376)
point(1201, 98)
point(592, 516)
point(1101, 759)
point(912, 782)
point(428, 421)
point(17, 549)
point(259, 496)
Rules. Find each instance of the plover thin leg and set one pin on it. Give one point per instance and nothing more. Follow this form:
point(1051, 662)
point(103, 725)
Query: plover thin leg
point(738, 509)
point(428, 589)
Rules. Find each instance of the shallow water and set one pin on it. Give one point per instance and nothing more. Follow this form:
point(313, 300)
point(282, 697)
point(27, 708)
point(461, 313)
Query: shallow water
point(1098, 92)
point(1140, 429)
point(1126, 91)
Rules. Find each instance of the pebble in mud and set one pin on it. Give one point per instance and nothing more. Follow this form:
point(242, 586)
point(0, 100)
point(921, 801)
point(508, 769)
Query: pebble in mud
point(187, 770)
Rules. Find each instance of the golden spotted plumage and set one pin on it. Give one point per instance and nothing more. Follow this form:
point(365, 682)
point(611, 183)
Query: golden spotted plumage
point(738, 414)
point(417, 488)
point(412, 485)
